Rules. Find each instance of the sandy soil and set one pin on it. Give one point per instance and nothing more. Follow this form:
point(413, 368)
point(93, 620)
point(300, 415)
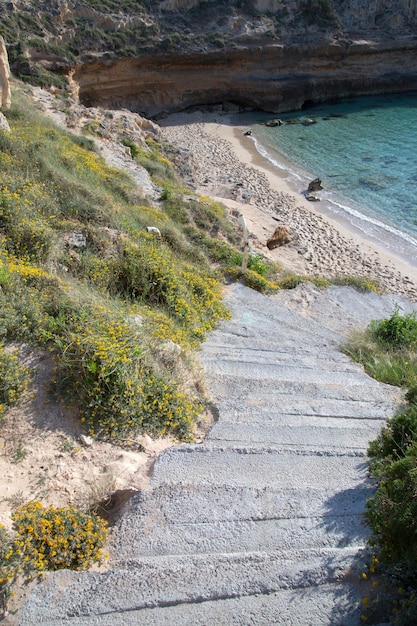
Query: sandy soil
point(46, 455)
point(226, 165)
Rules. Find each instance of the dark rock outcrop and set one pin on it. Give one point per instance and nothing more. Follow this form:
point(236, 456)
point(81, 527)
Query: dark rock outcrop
point(315, 185)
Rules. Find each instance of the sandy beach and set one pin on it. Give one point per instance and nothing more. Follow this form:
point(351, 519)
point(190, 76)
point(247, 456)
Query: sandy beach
point(222, 163)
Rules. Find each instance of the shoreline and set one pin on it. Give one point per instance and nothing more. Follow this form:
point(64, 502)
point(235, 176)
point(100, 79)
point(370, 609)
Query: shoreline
point(224, 164)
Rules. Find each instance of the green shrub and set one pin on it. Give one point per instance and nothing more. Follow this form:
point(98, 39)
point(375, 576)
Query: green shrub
point(252, 279)
point(359, 282)
point(147, 272)
point(104, 364)
point(397, 331)
point(159, 167)
point(387, 350)
point(392, 511)
point(292, 281)
point(257, 263)
point(395, 439)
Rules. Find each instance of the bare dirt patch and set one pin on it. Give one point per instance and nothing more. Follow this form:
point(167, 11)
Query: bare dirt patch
point(45, 453)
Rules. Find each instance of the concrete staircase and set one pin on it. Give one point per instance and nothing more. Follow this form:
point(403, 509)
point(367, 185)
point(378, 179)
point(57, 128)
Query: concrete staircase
point(262, 523)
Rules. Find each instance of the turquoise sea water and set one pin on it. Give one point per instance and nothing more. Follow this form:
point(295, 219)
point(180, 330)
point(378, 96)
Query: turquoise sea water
point(365, 152)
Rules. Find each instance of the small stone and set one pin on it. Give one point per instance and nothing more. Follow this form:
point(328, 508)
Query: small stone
point(86, 440)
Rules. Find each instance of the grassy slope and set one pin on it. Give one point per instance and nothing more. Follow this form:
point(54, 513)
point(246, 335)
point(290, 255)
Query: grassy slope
point(110, 309)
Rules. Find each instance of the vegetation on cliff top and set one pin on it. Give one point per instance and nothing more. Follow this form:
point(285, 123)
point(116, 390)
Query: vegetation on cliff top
point(45, 39)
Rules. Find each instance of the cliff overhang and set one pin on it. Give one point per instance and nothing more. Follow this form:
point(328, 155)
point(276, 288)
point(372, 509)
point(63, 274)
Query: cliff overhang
point(273, 78)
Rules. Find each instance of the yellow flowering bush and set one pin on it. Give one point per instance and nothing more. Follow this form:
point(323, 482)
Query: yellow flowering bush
point(149, 272)
point(9, 565)
point(14, 378)
point(57, 538)
point(22, 218)
point(48, 539)
point(253, 280)
point(103, 362)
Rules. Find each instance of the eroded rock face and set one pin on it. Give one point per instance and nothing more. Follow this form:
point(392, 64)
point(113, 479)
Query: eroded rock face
point(265, 54)
point(273, 78)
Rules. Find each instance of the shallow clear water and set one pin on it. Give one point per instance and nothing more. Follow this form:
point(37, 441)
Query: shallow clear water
point(365, 152)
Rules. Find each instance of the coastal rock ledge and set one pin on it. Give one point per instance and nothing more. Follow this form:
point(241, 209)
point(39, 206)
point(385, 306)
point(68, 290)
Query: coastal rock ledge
point(272, 78)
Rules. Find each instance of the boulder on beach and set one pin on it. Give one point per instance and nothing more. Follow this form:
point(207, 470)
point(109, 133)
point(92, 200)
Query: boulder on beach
point(280, 237)
point(312, 198)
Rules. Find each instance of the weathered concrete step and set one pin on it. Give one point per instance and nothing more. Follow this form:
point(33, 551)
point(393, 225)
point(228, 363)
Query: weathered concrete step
point(284, 448)
point(171, 581)
point(242, 536)
point(316, 605)
point(303, 358)
point(242, 333)
point(227, 337)
point(279, 372)
point(250, 409)
point(336, 304)
point(185, 504)
point(250, 468)
point(305, 431)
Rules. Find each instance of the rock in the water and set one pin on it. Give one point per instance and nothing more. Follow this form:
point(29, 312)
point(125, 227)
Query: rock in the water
point(315, 185)
point(273, 123)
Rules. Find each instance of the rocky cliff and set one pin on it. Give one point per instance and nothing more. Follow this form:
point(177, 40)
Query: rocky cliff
point(167, 55)
point(272, 78)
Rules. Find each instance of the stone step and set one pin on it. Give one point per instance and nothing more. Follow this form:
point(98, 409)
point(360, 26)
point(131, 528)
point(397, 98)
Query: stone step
point(296, 431)
point(288, 372)
point(304, 358)
point(247, 330)
point(250, 408)
point(186, 504)
point(252, 468)
point(241, 537)
point(321, 606)
point(169, 581)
